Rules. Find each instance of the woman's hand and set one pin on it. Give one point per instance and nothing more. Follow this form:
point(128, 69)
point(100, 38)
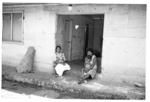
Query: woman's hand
point(62, 62)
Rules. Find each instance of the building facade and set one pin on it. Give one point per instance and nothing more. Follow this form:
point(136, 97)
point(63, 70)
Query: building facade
point(122, 41)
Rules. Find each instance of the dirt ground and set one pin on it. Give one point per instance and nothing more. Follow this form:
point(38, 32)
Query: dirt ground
point(106, 88)
point(29, 89)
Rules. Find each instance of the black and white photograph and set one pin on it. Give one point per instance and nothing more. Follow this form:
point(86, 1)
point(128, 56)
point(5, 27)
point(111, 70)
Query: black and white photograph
point(73, 50)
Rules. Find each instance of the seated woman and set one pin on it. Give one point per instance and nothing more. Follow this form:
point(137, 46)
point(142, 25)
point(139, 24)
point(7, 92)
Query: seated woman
point(90, 67)
point(60, 65)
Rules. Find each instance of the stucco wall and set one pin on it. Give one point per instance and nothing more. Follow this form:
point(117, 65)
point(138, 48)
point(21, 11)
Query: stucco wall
point(39, 31)
point(124, 40)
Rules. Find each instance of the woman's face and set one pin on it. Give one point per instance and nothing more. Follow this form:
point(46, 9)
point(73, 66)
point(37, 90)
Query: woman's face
point(58, 49)
point(89, 53)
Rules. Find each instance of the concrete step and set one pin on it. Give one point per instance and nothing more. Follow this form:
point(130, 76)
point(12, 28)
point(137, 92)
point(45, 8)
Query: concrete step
point(91, 89)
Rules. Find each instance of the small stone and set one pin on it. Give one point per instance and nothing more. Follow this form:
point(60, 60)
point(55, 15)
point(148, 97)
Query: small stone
point(138, 85)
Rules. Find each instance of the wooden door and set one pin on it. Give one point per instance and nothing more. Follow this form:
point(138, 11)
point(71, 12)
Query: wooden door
point(68, 39)
point(78, 43)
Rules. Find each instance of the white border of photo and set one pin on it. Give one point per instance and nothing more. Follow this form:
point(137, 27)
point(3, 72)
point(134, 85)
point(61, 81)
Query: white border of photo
point(7, 96)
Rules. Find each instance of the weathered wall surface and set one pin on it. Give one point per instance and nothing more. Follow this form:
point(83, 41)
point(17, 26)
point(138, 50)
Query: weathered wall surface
point(39, 31)
point(124, 40)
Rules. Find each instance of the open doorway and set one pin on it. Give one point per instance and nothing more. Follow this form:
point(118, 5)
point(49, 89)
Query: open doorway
point(77, 33)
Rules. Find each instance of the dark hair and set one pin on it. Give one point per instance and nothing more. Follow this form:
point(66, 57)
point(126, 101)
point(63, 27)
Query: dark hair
point(89, 49)
point(57, 47)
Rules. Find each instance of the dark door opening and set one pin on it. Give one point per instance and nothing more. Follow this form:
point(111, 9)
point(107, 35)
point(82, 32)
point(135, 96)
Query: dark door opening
point(86, 38)
point(77, 33)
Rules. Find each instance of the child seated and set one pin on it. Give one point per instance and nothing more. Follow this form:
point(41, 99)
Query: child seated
point(87, 64)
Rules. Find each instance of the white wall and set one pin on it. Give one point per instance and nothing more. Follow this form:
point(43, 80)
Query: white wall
point(124, 40)
point(39, 31)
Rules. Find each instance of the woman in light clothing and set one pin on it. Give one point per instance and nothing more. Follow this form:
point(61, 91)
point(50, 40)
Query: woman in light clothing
point(60, 65)
point(90, 67)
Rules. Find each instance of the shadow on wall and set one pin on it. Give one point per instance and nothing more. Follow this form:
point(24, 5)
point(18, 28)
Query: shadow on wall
point(98, 55)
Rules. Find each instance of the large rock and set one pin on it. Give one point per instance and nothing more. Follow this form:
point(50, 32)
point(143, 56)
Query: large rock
point(26, 64)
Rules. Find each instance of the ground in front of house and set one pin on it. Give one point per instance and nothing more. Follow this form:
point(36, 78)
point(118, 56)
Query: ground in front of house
point(42, 84)
point(30, 89)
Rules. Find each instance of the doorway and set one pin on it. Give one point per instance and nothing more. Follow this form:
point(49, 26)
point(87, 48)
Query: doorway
point(77, 33)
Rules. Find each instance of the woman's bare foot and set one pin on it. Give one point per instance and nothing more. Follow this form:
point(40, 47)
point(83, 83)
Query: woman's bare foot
point(82, 81)
point(60, 77)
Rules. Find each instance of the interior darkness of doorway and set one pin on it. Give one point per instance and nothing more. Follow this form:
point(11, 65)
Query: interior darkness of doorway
point(77, 33)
